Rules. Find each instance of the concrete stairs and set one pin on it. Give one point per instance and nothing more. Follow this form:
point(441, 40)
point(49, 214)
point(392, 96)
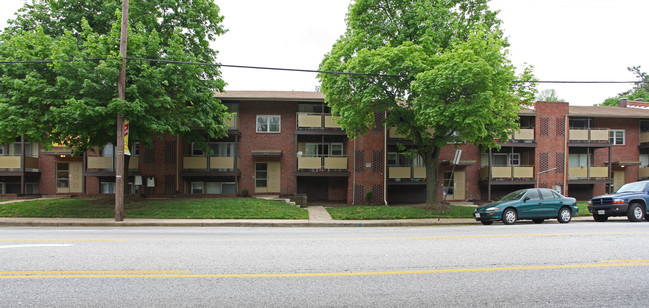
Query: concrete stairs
point(276, 198)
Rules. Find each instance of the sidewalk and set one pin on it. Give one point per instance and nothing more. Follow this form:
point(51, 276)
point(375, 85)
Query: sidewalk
point(318, 217)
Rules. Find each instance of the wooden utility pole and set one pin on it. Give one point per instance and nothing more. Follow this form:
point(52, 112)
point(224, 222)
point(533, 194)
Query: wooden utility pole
point(121, 89)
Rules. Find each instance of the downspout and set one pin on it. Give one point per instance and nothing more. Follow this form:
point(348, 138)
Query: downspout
point(566, 158)
point(385, 161)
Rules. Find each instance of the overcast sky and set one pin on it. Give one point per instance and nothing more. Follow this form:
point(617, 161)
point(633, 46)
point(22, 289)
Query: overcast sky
point(565, 40)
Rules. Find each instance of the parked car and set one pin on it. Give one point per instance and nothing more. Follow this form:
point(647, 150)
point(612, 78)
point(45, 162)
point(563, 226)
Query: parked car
point(629, 200)
point(536, 204)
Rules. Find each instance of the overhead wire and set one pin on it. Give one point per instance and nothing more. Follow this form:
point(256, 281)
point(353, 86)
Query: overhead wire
point(300, 70)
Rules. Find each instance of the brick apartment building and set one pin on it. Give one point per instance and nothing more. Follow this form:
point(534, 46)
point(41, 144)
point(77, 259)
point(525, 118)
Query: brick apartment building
point(288, 143)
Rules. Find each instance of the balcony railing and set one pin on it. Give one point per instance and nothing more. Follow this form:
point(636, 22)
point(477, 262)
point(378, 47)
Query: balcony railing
point(322, 163)
point(644, 137)
point(215, 163)
point(316, 121)
point(524, 135)
point(643, 172)
point(587, 172)
point(589, 135)
point(14, 163)
point(408, 173)
point(510, 172)
point(108, 163)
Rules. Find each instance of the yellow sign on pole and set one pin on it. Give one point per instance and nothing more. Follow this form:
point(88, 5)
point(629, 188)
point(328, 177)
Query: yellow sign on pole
point(126, 151)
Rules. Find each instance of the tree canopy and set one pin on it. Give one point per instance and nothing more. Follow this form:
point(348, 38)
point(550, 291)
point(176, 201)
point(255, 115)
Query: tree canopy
point(549, 95)
point(639, 90)
point(439, 68)
point(72, 100)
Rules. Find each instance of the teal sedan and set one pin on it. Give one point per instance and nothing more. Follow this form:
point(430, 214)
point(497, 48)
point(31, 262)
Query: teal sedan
point(536, 204)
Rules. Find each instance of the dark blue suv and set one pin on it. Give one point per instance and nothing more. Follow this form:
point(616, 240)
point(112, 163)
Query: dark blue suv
point(630, 200)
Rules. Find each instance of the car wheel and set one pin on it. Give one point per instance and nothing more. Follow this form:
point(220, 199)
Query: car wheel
point(635, 213)
point(509, 216)
point(538, 221)
point(565, 215)
point(486, 222)
point(600, 218)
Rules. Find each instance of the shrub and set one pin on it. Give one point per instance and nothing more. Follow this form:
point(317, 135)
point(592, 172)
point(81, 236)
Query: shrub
point(245, 193)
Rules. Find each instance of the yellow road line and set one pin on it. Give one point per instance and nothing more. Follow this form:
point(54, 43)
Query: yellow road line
point(482, 236)
point(459, 270)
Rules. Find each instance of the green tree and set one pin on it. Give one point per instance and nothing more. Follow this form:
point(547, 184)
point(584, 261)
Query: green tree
point(639, 90)
point(75, 103)
point(439, 69)
point(548, 95)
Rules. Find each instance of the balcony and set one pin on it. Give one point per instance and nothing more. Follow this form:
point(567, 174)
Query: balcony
point(589, 136)
point(644, 137)
point(406, 174)
point(108, 163)
point(233, 123)
point(643, 172)
point(307, 121)
point(508, 173)
point(587, 173)
point(200, 163)
point(322, 164)
point(14, 163)
point(525, 135)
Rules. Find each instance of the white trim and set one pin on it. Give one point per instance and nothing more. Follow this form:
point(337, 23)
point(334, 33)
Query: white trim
point(268, 125)
point(613, 138)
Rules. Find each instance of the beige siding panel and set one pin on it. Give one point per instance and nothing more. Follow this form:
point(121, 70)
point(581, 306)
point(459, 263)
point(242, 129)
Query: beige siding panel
point(578, 134)
point(598, 172)
point(100, 163)
point(501, 172)
point(419, 172)
point(134, 163)
point(599, 134)
point(306, 120)
point(644, 137)
point(309, 163)
point(274, 177)
point(644, 172)
point(195, 163)
point(577, 172)
point(524, 134)
point(393, 133)
point(9, 162)
point(399, 172)
point(484, 172)
point(335, 163)
point(221, 162)
point(31, 163)
point(330, 122)
point(523, 172)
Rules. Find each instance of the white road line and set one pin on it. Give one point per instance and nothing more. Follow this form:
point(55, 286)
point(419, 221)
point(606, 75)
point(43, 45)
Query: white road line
point(35, 245)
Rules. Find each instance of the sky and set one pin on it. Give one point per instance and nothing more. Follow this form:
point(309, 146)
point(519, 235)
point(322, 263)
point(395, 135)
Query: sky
point(565, 40)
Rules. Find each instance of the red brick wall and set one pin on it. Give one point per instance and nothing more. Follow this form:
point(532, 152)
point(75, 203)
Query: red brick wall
point(550, 133)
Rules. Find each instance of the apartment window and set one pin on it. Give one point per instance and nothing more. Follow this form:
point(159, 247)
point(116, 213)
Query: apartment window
point(500, 160)
point(316, 149)
point(644, 160)
point(222, 149)
point(197, 187)
point(336, 149)
point(107, 188)
point(136, 149)
point(515, 159)
point(268, 124)
point(579, 160)
point(196, 150)
point(616, 136)
point(220, 188)
point(581, 123)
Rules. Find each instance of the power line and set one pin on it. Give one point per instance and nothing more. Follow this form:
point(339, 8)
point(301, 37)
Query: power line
point(303, 70)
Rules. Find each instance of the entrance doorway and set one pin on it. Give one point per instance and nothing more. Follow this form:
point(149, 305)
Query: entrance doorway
point(267, 177)
point(69, 177)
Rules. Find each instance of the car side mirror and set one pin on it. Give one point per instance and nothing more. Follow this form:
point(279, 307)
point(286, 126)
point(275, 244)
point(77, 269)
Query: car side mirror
point(526, 198)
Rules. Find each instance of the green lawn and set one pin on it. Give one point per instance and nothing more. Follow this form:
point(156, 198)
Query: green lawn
point(583, 208)
point(230, 208)
point(397, 212)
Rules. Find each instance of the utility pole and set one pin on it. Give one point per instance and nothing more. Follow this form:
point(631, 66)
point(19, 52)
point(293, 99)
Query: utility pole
point(121, 89)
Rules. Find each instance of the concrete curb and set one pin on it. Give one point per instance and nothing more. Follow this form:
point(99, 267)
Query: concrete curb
point(103, 222)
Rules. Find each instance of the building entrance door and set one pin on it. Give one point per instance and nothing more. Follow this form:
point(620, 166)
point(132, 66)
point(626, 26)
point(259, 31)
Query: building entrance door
point(267, 177)
point(69, 177)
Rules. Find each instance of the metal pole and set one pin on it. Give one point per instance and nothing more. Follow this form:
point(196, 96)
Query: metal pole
point(121, 89)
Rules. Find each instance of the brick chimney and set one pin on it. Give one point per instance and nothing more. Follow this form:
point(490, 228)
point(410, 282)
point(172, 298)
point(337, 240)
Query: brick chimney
point(623, 102)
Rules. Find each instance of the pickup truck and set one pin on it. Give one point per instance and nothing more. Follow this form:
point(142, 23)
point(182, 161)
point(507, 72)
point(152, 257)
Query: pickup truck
point(630, 200)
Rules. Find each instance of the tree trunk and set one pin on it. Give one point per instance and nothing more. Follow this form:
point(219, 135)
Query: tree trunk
point(431, 160)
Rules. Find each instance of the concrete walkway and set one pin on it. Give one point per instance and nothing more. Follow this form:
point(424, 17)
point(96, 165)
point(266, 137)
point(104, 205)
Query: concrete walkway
point(318, 213)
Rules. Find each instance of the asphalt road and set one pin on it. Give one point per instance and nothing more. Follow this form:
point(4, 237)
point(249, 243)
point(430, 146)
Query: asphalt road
point(565, 265)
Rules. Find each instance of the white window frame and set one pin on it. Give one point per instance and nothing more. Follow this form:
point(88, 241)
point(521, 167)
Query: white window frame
point(197, 186)
point(515, 159)
point(197, 151)
point(268, 118)
point(612, 136)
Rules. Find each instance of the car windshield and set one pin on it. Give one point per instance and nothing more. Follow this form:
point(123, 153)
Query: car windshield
point(632, 187)
point(514, 195)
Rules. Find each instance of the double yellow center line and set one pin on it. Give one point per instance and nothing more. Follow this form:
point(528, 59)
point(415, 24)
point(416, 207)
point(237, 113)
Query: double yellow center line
point(188, 274)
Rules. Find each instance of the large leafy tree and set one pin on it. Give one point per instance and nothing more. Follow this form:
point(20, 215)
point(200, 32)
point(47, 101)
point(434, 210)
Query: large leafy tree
point(639, 90)
point(438, 67)
point(75, 103)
